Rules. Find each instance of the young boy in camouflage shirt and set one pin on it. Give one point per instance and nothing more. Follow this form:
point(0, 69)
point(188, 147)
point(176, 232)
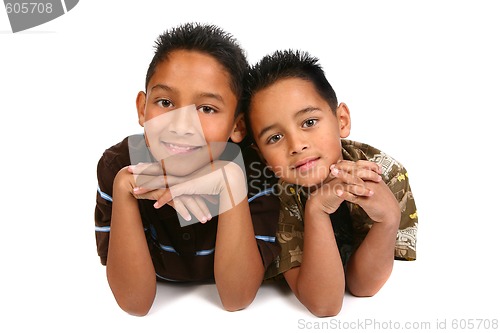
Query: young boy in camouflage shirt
point(347, 209)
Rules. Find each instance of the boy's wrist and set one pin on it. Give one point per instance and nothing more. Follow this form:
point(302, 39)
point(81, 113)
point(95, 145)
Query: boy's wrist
point(233, 186)
point(316, 209)
point(390, 222)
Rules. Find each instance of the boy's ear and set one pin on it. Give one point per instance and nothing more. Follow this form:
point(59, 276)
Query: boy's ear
point(344, 119)
point(239, 129)
point(140, 103)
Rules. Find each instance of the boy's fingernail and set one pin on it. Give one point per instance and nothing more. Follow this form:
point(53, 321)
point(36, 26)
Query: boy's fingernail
point(339, 192)
point(334, 170)
point(136, 189)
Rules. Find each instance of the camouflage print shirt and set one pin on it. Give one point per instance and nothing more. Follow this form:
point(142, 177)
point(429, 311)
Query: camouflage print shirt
point(350, 222)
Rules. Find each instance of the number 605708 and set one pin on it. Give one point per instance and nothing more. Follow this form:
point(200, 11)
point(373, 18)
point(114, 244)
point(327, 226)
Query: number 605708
point(28, 7)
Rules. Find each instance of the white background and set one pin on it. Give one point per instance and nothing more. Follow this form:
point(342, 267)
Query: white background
point(421, 78)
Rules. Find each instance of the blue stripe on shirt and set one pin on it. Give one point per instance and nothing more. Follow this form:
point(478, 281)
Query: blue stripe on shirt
point(266, 238)
point(104, 195)
point(260, 194)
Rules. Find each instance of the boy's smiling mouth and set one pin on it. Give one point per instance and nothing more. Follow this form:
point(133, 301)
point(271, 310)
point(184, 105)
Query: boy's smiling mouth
point(179, 148)
point(305, 164)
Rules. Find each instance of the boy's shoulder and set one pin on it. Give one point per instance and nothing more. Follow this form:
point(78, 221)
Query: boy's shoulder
point(355, 151)
point(119, 155)
point(396, 177)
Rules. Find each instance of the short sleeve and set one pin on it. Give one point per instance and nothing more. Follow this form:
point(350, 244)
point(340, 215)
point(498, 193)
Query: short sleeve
point(264, 204)
point(290, 234)
point(396, 177)
point(264, 210)
point(102, 213)
point(112, 160)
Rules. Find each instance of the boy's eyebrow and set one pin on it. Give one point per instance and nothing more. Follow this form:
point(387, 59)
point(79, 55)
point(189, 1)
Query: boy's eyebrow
point(306, 110)
point(265, 129)
point(203, 94)
point(162, 87)
point(297, 115)
point(213, 95)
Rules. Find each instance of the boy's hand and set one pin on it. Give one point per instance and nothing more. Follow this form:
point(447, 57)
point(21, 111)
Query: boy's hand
point(347, 181)
point(382, 206)
point(151, 184)
point(368, 191)
point(150, 176)
point(220, 181)
point(354, 177)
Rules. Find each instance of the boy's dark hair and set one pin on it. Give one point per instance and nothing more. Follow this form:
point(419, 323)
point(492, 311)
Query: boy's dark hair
point(208, 39)
point(283, 65)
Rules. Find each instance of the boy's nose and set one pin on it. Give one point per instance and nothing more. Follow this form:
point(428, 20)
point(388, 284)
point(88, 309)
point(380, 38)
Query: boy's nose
point(297, 145)
point(182, 121)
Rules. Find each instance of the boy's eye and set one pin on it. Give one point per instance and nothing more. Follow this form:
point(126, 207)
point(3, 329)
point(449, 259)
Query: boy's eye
point(274, 138)
point(165, 103)
point(309, 122)
point(206, 109)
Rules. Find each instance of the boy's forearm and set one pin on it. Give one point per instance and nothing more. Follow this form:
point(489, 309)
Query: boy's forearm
point(371, 265)
point(130, 272)
point(320, 284)
point(238, 265)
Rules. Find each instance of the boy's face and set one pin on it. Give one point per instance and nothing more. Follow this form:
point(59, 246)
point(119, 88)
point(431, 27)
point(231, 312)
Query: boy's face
point(188, 111)
point(296, 131)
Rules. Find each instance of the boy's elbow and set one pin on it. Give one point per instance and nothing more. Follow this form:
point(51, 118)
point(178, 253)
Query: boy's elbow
point(232, 303)
point(232, 307)
point(135, 304)
point(325, 310)
point(364, 292)
point(135, 309)
point(365, 288)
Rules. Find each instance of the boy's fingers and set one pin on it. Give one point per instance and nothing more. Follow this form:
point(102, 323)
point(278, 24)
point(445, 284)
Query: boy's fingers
point(204, 208)
point(358, 191)
point(165, 198)
point(349, 178)
point(347, 191)
point(355, 175)
point(197, 207)
point(370, 175)
point(181, 209)
point(146, 169)
point(210, 198)
point(151, 183)
point(350, 166)
point(186, 206)
point(147, 194)
point(350, 196)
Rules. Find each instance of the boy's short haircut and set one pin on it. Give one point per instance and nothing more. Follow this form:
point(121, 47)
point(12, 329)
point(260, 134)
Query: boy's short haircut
point(284, 65)
point(208, 39)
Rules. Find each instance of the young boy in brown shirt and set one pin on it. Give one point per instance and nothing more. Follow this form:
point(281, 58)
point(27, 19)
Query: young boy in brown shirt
point(196, 70)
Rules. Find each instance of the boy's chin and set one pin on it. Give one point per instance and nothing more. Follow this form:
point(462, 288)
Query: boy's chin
point(308, 182)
